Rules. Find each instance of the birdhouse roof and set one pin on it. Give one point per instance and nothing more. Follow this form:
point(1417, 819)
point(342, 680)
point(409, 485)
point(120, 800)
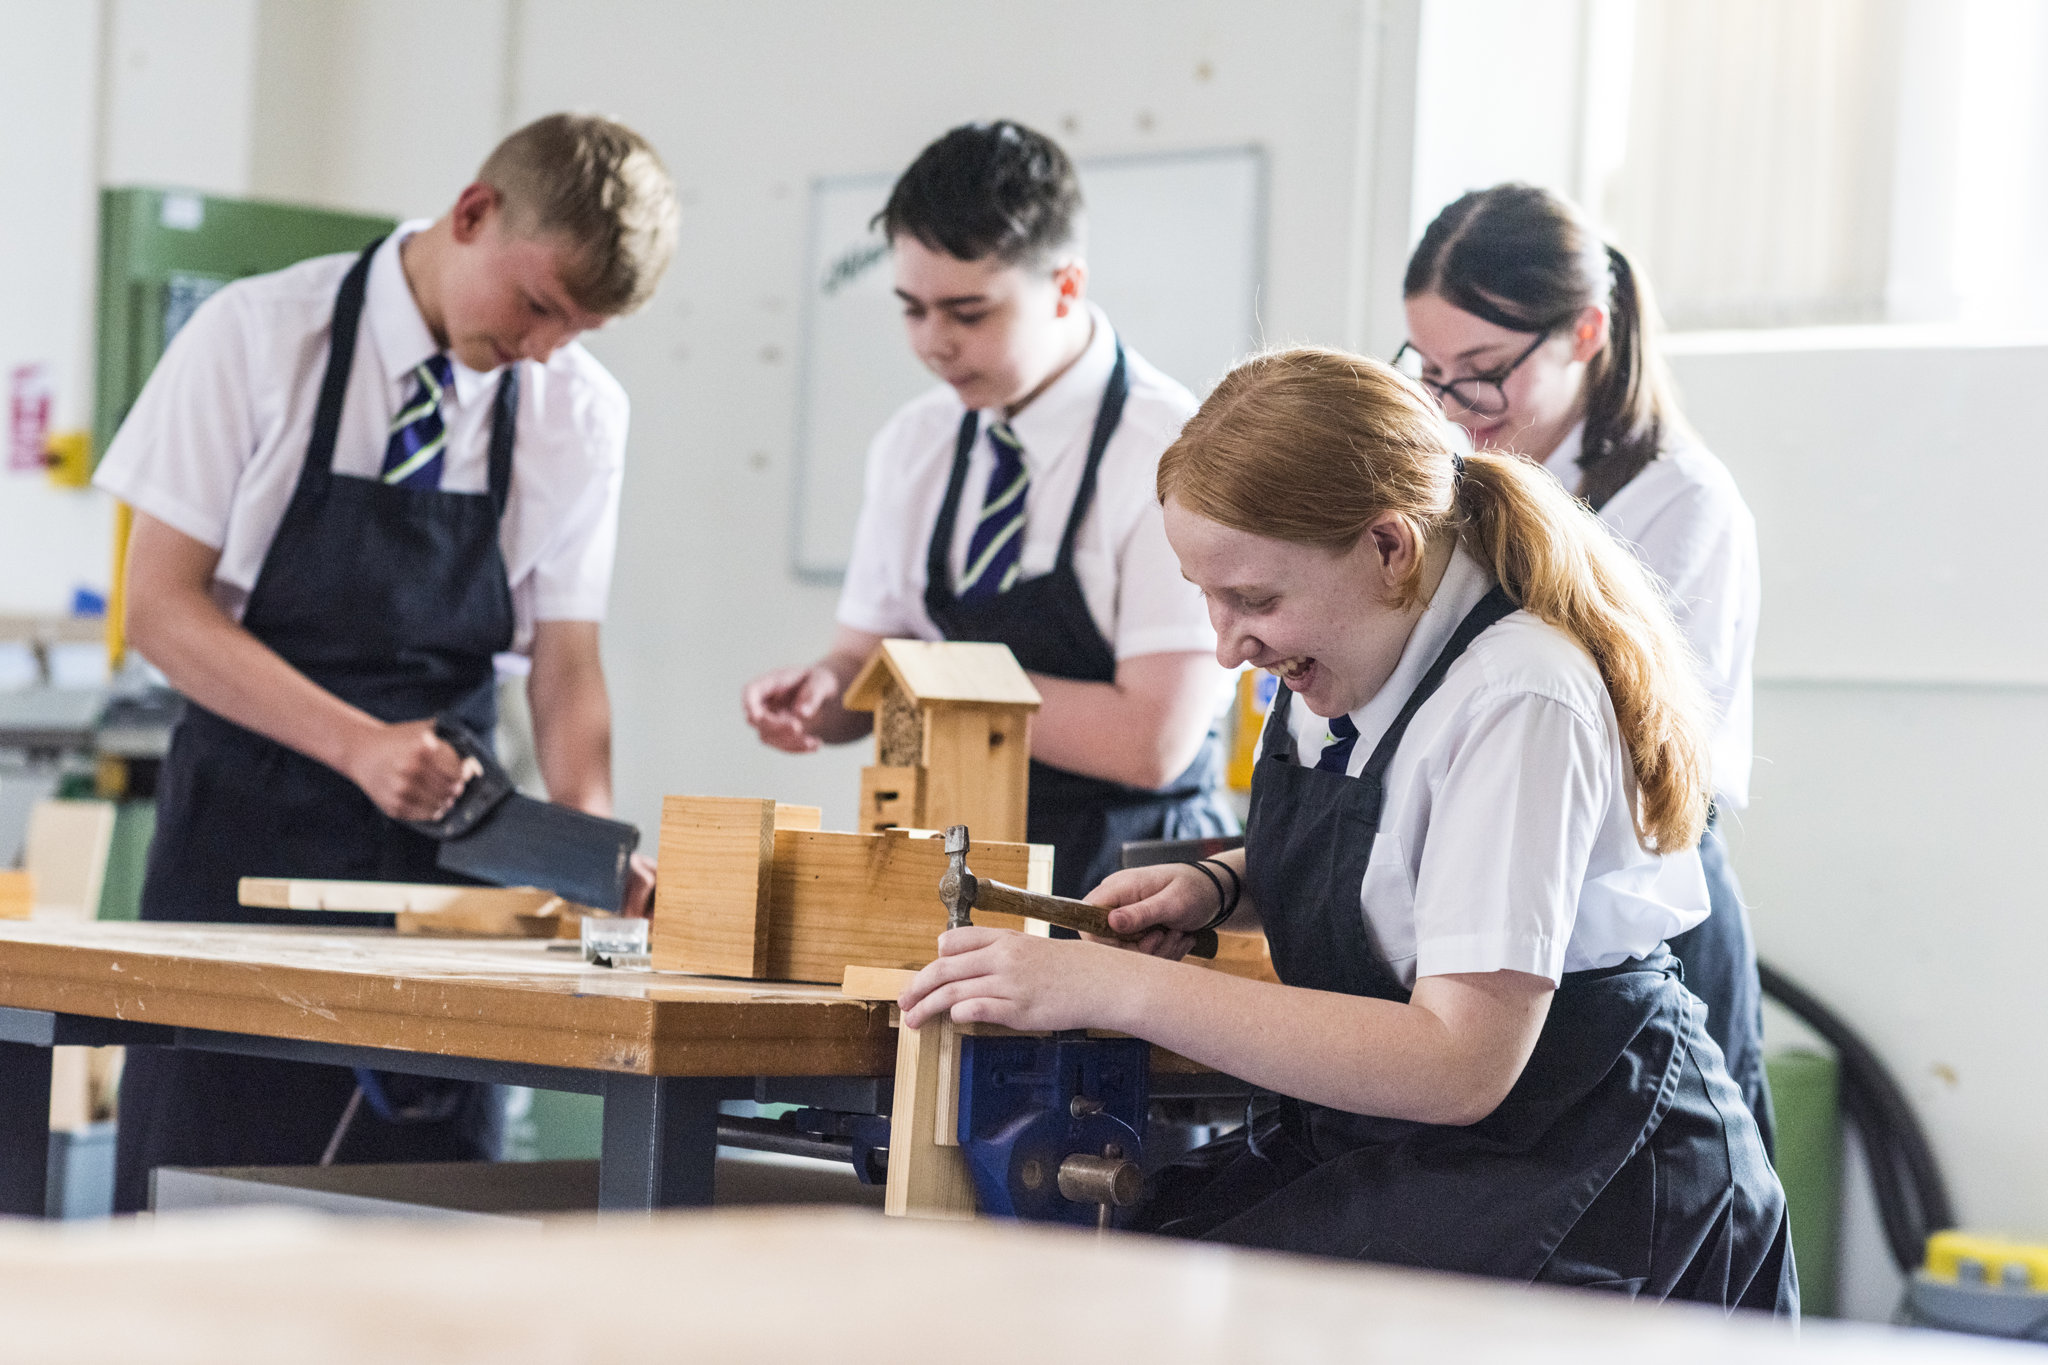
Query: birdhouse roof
point(942, 671)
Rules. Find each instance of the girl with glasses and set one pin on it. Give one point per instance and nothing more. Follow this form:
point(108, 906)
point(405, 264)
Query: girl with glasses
point(1539, 338)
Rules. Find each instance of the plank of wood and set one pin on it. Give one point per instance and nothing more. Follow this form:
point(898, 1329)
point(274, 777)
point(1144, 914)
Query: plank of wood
point(389, 898)
point(478, 917)
point(925, 1179)
point(946, 1108)
point(711, 900)
point(867, 899)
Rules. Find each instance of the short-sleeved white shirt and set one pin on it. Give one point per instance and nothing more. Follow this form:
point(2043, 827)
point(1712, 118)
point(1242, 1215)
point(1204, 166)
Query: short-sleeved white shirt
point(215, 443)
point(1507, 840)
point(1128, 573)
point(1688, 523)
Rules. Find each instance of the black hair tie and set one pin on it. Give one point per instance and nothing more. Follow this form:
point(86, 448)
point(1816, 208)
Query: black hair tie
point(1457, 466)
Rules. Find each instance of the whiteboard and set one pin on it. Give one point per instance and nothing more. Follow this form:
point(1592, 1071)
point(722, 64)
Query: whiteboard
point(1176, 256)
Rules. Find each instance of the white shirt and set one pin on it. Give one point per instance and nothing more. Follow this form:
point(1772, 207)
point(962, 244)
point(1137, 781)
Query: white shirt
point(215, 443)
point(1506, 836)
point(1128, 573)
point(1688, 523)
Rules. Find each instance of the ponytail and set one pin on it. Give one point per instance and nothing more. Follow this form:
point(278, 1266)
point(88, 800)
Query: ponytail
point(1529, 260)
point(1561, 566)
point(1628, 390)
point(1371, 443)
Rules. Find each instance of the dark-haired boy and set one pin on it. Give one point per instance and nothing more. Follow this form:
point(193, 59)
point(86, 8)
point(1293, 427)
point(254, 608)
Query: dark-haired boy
point(1016, 504)
point(356, 482)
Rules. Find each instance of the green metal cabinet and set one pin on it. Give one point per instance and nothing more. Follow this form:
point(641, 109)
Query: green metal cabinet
point(163, 251)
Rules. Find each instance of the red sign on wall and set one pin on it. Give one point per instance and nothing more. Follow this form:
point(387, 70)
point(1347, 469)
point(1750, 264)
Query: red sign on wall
point(28, 427)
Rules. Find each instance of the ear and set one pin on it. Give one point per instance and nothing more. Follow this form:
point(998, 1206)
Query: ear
point(474, 209)
point(1589, 333)
point(1071, 280)
point(1394, 549)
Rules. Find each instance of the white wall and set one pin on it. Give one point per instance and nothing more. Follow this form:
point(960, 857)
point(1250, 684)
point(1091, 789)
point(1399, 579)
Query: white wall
point(51, 539)
point(749, 103)
point(1890, 853)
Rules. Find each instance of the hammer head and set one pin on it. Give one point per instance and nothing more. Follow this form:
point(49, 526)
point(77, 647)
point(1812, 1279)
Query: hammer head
point(958, 888)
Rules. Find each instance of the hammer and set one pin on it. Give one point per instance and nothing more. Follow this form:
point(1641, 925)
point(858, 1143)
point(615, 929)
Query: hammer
point(961, 891)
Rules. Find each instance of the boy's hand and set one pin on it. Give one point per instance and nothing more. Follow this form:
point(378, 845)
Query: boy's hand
point(999, 976)
point(408, 771)
point(782, 704)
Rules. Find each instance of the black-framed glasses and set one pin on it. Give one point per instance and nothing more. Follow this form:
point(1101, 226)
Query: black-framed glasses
point(1480, 394)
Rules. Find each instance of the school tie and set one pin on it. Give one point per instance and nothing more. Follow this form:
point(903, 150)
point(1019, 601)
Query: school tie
point(1337, 748)
point(995, 549)
point(412, 457)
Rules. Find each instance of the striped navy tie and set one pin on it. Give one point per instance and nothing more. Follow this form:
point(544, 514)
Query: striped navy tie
point(1337, 747)
point(994, 551)
point(413, 455)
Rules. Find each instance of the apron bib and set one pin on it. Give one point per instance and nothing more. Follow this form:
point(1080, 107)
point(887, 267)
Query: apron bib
point(1046, 623)
point(1621, 1157)
point(394, 599)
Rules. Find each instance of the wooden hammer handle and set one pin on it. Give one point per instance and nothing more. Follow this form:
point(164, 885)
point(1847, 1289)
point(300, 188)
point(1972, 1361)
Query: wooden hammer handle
point(1002, 899)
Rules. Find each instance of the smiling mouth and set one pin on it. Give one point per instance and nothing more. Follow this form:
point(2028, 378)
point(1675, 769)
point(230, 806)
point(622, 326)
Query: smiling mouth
point(1292, 669)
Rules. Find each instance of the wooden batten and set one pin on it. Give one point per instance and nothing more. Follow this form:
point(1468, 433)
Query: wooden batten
point(926, 1180)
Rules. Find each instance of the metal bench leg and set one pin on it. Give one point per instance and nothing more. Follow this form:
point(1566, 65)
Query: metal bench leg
point(25, 1129)
point(660, 1141)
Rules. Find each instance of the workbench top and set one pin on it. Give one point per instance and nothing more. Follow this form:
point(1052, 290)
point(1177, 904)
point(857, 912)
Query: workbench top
point(807, 1285)
point(499, 999)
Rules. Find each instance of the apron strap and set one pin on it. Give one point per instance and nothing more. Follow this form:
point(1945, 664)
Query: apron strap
point(1106, 418)
point(341, 356)
point(938, 578)
point(504, 431)
point(1489, 609)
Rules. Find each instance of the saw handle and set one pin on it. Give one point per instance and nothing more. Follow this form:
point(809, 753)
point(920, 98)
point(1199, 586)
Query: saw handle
point(1003, 899)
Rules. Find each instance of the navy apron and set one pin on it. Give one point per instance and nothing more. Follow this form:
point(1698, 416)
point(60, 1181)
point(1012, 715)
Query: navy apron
point(1046, 623)
point(395, 600)
point(1622, 1158)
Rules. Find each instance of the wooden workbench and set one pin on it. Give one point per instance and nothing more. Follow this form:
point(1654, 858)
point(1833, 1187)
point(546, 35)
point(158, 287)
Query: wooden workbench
point(661, 1049)
point(846, 1288)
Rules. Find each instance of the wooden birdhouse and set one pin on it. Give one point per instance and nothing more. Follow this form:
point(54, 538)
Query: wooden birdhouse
point(952, 738)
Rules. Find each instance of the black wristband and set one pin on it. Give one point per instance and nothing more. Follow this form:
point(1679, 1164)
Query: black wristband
point(1226, 904)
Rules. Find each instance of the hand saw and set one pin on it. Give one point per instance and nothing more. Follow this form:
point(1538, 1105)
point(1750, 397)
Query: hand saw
point(496, 835)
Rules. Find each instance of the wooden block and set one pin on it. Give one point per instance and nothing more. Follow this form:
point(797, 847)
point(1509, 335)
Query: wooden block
point(1241, 953)
point(868, 899)
point(711, 899)
point(874, 983)
point(891, 798)
point(978, 770)
point(925, 1179)
point(798, 817)
point(17, 894)
point(390, 898)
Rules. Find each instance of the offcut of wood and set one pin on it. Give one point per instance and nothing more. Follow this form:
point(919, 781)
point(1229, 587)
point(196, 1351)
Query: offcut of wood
point(423, 907)
point(17, 894)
